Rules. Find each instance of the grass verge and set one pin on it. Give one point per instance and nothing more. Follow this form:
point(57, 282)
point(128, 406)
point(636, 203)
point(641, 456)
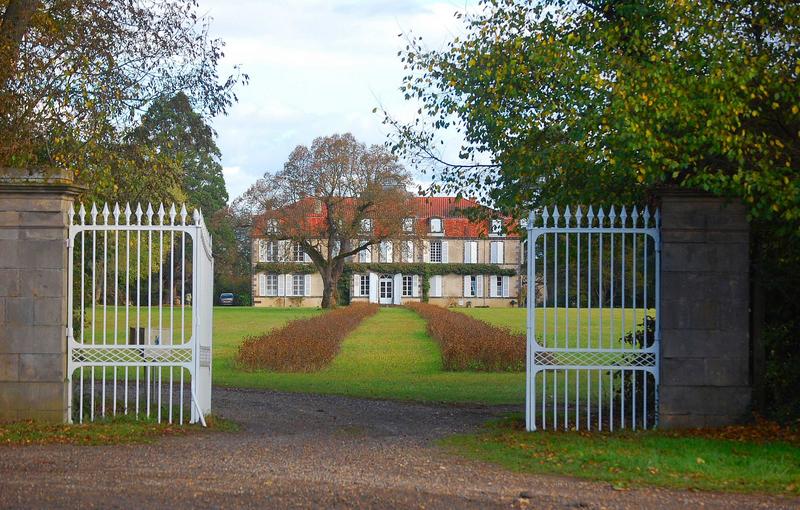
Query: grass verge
point(119, 430)
point(710, 460)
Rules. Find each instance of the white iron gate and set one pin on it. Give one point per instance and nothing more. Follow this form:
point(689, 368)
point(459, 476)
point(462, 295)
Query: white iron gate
point(140, 312)
point(593, 319)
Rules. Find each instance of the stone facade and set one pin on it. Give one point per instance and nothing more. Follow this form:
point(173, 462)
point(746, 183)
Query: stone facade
point(33, 293)
point(705, 346)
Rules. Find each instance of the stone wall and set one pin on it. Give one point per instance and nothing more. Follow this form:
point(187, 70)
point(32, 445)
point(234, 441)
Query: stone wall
point(705, 320)
point(33, 293)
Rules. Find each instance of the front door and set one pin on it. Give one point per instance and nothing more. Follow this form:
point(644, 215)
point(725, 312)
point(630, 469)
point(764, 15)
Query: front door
point(385, 290)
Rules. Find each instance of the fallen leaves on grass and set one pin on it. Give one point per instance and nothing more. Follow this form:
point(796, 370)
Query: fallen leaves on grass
point(760, 431)
point(303, 345)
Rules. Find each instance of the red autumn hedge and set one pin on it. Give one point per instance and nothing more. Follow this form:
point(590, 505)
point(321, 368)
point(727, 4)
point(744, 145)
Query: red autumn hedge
point(470, 344)
point(303, 345)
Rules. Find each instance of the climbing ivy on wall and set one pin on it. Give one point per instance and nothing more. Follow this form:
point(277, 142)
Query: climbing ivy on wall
point(425, 271)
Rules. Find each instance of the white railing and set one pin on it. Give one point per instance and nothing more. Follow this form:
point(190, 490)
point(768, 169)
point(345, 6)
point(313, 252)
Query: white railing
point(140, 314)
point(593, 319)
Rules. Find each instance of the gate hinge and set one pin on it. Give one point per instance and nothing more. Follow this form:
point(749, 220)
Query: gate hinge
point(69, 333)
point(69, 241)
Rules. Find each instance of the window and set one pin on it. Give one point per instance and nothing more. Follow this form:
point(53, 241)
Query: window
point(272, 285)
point(272, 225)
point(385, 251)
point(408, 285)
point(298, 285)
point(297, 253)
point(365, 255)
point(497, 282)
point(364, 286)
point(271, 254)
point(436, 225)
point(408, 251)
point(496, 252)
point(408, 225)
point(436, 251)
point(366, 225)
point(473, 284)
point(470, 252)
point(496, 227)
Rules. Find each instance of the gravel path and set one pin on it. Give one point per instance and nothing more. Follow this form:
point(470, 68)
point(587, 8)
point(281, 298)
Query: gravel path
point(302, 450)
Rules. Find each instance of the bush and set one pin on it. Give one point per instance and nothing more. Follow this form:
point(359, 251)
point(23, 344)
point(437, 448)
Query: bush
point(470, 344)
point(303, 345)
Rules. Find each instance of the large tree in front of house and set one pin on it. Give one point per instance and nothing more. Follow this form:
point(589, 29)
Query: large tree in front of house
point(333, 199)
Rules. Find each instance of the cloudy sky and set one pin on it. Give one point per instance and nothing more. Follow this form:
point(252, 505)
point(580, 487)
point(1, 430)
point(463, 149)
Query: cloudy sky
point(316, 68)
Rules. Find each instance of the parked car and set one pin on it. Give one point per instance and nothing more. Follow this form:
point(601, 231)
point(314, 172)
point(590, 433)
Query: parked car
point(226, 298)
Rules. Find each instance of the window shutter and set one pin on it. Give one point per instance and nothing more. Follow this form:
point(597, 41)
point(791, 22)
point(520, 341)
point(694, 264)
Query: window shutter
point(479, 285)
point(426, 251)
point(444, 252)
point(493, 286)
point(262, 250)
point(283, 251)
point(415, 286)
point(506, 285)
point(473, 252)
point(435, 286)
point(398, 288)
point(389, 252)
point(262, 284)
point(466, 252)
point(373, 288)
point(409, 251)
point(281, 284)
point(500, 253)
point(306, 257)
point(307, 285)
point(493, 253)
point(357, 285)
point(467, 286)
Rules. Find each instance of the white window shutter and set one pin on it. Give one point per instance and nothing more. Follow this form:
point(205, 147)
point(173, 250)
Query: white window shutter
point(445, 258)
point(415, 286)
point(262, 250)
point(357, 285)
point(493, 286)
point(281, 284)
point(409, 251)
point(398, 288)
point(467, 287)
point(262, 284)
point(493, 253)
point(506, 285)
point(307, 285)
point(479, 285)
point(467, 252)
point(373, 287)
point(500, 253)
point(389, 251)
point(436, 284)
point(473, 252)
point(283, 251)
point(426, 251)
point(306, 257)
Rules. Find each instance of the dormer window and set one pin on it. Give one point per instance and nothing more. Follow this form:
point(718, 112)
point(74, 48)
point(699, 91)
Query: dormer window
point(436, 225)
point(496, 228)
point(408, 225)
point(272, 226)
point(366, 225)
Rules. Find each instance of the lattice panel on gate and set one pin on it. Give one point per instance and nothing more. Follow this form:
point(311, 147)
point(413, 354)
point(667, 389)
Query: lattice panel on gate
point(593, 314)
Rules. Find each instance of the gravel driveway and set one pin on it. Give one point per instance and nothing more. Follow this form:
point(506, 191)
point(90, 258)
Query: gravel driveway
point(301, 451)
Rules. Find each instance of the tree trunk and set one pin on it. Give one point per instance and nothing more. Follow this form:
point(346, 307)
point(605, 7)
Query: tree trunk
point(14, 25)
point(330, 282)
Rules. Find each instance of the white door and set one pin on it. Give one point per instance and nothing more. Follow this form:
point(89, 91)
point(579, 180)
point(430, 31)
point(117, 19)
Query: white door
point(385, 293)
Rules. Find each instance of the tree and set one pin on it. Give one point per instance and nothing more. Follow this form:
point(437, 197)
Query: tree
point(599, 100)
point(333, 199)
point(76, 76)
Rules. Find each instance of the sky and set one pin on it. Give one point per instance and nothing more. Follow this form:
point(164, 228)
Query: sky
point(316, 68)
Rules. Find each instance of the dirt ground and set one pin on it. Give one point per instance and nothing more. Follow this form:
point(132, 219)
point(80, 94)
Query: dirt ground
point(313, 451)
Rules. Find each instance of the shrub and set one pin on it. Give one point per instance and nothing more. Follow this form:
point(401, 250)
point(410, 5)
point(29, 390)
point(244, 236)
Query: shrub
point(470, 344)
point(303, 345)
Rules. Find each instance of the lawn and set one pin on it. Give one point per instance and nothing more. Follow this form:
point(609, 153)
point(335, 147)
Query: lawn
point(645, 458)
point(561, 325)
point(389, 355)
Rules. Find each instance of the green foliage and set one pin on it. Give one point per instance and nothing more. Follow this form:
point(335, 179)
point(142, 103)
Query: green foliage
point(598, 101)
point(285, 268)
